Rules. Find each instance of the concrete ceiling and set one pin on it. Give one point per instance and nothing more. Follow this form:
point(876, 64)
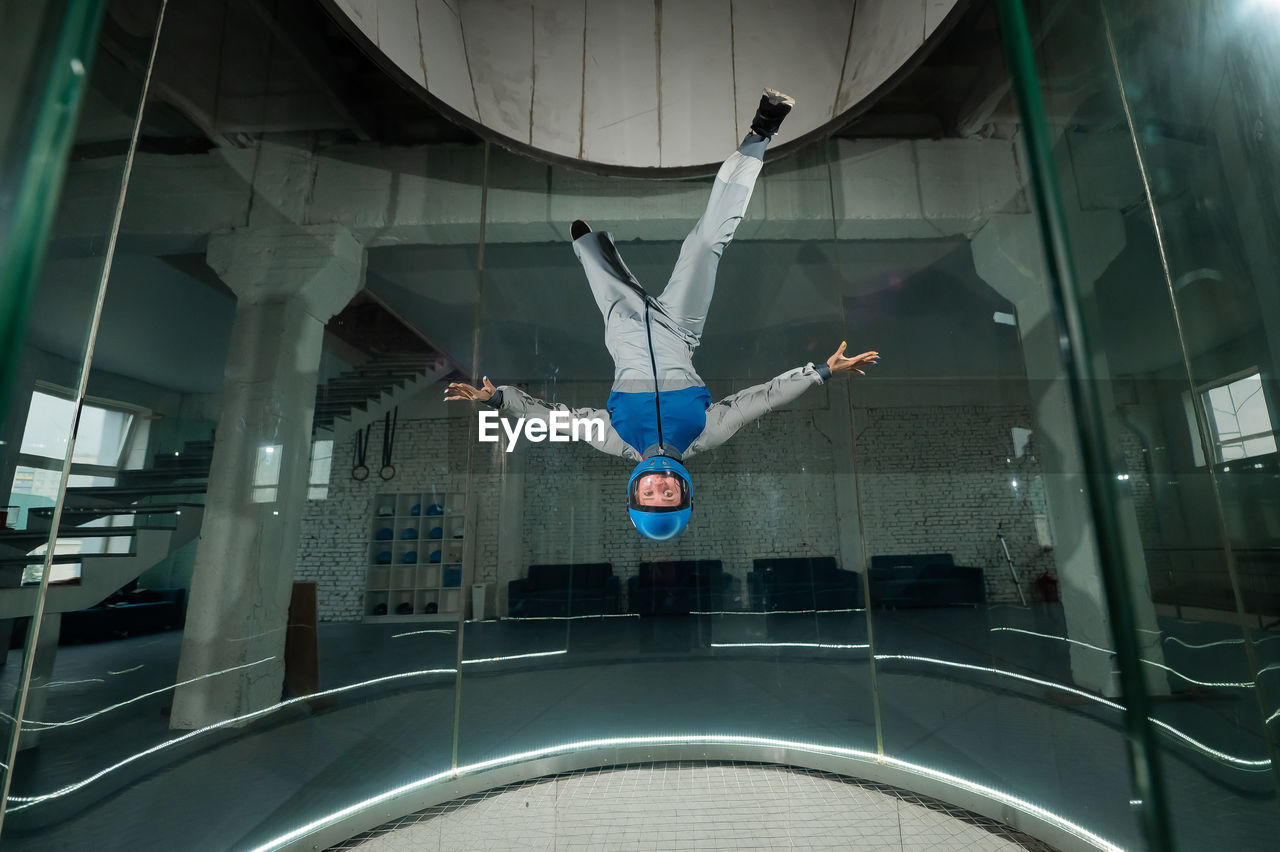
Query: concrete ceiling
point(162, 321)
point(623, 85)
point(778, 304)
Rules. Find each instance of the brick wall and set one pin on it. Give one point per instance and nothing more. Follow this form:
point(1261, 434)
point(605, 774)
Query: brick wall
point(940, 480)
point(930, 479)
point(768, 492)
point(1139, 486)
point(333, 553)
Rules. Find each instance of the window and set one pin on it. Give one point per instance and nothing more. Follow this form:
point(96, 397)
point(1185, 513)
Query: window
point(321, 464)
point(101, 442)
point(266, 473)
point(267, 465)
point(1236, 412)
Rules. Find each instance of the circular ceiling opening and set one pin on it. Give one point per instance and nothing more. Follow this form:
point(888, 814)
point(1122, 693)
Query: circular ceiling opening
point(624, 86)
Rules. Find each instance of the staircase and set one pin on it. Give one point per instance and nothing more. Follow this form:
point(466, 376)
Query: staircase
point(349, 402)
point(149, 511)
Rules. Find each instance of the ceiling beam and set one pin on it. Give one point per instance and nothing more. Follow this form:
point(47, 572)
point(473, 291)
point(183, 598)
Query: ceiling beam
point(296, 26)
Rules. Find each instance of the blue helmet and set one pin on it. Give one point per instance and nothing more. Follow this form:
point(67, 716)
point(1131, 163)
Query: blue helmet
point(660, 497)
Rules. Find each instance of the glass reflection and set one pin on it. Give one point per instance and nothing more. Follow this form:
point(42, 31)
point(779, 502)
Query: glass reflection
point(231, 338)
point(679, 632)
point(1192, 394)
point(304, 575)
point(42, 549)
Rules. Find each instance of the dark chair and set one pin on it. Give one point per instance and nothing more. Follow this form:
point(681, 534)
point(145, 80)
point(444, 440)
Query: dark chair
point(922, 580)
point(563, 590)
point(678, 588)
point(802, 584)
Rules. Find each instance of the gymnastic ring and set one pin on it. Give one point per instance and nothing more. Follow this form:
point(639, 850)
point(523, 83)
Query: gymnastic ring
point(387, 467)
point(360, 473)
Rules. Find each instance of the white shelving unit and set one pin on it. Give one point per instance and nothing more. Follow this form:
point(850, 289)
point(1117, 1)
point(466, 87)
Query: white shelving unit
point(415, 557)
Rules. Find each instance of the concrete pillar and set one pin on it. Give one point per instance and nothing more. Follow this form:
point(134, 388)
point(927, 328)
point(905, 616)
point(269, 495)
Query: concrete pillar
point(289, 283)
point(1007, 254)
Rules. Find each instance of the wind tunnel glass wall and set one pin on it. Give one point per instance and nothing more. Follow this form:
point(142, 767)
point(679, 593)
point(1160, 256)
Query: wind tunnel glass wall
point(723, 631)
point(239, 374)
point(1161, 113)
point(44, 376)
point(322, 551)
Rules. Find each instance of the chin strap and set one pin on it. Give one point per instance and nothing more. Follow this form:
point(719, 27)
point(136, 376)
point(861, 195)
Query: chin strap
point(663, 450)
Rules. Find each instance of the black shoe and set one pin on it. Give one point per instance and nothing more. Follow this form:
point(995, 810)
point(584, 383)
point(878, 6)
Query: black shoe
point(579, 228)
point(774, 106)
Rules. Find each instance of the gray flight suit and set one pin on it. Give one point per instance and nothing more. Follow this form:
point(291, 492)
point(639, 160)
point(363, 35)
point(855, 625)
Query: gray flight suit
point(677, 319)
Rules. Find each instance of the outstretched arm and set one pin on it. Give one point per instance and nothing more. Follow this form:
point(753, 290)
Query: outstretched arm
point(512, 402)
point(733, 412)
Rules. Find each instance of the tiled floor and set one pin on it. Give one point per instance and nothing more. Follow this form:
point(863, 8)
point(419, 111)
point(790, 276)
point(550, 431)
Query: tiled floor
point(236, 788)
point(675, 806)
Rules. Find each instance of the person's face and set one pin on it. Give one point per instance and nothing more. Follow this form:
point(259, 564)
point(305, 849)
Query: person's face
point(658, 489)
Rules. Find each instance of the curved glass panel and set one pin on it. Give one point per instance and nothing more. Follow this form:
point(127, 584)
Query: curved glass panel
point(987, 606)
point(49, 113)
point(1165, 143)
point(313, 581)
point(257, 583)
point(610, 636)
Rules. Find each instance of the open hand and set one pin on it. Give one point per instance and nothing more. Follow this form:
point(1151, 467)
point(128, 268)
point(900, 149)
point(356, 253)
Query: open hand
point(840, 364)
point(467, 393)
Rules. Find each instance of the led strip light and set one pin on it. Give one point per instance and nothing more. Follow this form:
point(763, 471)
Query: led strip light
point(781, 645)
point(1186, 644)
point(419, 633)
point(1231, 760)
point(33, 725)
point(1173, 671)
point(1253, 765)
point(29, 801)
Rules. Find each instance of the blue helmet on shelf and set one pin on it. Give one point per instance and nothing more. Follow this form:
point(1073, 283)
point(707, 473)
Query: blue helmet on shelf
point(660, 497)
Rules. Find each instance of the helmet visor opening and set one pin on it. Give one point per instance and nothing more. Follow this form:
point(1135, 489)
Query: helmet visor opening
point(661, 491)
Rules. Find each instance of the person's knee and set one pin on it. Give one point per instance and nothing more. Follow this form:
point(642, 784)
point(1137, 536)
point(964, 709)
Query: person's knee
point(704, 241)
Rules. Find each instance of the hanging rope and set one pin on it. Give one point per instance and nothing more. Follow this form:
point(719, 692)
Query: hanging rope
point(388, 443)
point(360, 470)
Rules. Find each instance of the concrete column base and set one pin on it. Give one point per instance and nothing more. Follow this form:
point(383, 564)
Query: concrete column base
point(288, 285)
